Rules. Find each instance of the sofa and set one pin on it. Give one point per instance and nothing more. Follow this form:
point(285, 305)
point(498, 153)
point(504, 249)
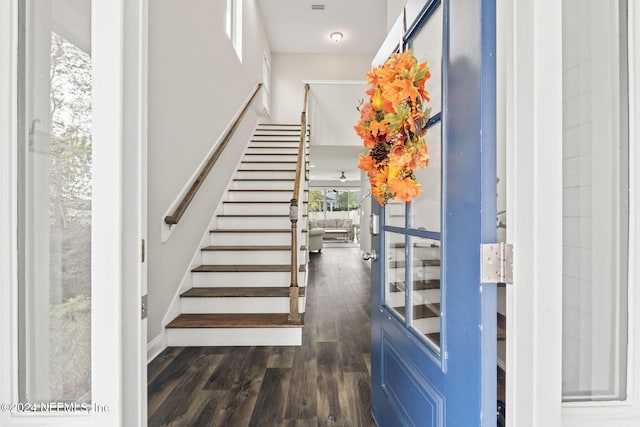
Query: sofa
point(334, 228)
point(315, 239)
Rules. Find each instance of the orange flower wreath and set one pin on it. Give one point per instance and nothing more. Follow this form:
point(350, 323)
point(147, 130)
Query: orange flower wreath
point(392, 126)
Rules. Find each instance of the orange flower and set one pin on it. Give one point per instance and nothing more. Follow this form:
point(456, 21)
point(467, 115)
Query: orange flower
point(366, 162)
point(378, 127)
point(366, 112)
point(404, 189)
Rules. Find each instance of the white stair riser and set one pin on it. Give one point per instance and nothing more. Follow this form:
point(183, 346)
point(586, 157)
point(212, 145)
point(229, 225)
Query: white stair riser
point(250, 238)
point(271, 158)
point(263, 185)
point(256, 208)
point(426, 296)
point(427, 326)
point(288, 151)
point(419, 273)
point(237, 305)
point(225, 279)
point(265, 174)
point(430, 296)
point(277, 130)
point(254, 222)
point(277, 135)
point(264, 142)
point(199, 337)
point(268, 165)
point(246, 257)
point(258, 196)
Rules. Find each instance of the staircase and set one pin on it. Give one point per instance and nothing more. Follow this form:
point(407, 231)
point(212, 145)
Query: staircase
point(240, 293)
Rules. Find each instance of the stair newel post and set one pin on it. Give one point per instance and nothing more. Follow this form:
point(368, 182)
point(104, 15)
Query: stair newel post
point(294, 311)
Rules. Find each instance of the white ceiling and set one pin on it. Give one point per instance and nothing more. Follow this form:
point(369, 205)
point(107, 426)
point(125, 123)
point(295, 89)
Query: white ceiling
point(293, 27)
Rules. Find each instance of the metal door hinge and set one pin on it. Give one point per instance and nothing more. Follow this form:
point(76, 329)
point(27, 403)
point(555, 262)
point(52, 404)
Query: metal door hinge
point(143, 307)
point(496, 263)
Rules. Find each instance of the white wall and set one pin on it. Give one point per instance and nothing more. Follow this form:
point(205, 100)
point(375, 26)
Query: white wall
point(333, 111)
point(288, 72)
point(394, 10)
point(196, 85)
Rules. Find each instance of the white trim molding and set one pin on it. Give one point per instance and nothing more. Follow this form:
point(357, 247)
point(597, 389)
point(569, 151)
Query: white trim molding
point(533, 97)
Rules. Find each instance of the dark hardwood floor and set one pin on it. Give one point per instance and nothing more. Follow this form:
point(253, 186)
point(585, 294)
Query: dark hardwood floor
point(325, 382)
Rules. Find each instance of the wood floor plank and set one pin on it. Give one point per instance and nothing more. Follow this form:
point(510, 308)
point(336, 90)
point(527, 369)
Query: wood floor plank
point(359, 395)
point(269, 408)
point(329, 375)
point(161, 362)
point(302, 398)
point(165, 382)
point(227, 370)
point(241, 398)
point(175, 406)
point(207, 411)
point(281, 357)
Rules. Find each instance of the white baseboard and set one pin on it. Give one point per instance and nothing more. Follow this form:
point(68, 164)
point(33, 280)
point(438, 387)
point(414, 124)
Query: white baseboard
point(155, 347)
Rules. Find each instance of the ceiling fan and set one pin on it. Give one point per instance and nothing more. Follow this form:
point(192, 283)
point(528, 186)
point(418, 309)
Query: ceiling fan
point(342, 177)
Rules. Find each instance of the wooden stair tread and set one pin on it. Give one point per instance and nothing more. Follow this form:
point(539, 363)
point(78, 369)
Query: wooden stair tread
point(501, 327)
point(422, 311)
point(271, 154)
point(278, 124)
point(421, 285)
point(272, 147)
point(260, 201)
point(264, 179)
point(416, 263)
point(265, 190)
point(246, 248)
point(243, 320)
point(246, 268)
point(240, 292)
point(277, 161)
point(240, 268)
point(266, 170)
point(242, 230)
point(435, 337)
point(253, 215)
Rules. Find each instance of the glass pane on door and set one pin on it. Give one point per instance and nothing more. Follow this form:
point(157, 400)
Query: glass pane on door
point(55, 187)
point(395, 287)
point(425, 209)
point(425, 288)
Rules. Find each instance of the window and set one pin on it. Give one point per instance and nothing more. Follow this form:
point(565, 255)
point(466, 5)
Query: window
point(55, 204)
point(234, 25)
point(595, 207)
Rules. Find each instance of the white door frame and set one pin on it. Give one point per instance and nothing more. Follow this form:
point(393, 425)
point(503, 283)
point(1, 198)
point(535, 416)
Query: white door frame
point(531, 35)
point(533, 80)
point(118, 278)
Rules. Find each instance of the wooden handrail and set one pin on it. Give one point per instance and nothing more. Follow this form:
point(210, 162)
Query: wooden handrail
point(294, 291)
point(188, 197)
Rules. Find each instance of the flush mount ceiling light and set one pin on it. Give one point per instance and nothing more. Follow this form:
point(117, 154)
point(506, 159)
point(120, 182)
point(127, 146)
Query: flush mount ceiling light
point(336, 36)
point(342, 177)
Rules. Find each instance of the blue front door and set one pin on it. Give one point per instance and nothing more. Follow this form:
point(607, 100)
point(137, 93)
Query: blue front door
point(433, 356)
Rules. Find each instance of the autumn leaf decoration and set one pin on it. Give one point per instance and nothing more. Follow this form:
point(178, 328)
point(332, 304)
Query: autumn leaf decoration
point(392, 126)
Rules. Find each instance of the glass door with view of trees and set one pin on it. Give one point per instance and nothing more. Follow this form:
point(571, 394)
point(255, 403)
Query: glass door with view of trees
point(55, 198)
point(334, 203)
